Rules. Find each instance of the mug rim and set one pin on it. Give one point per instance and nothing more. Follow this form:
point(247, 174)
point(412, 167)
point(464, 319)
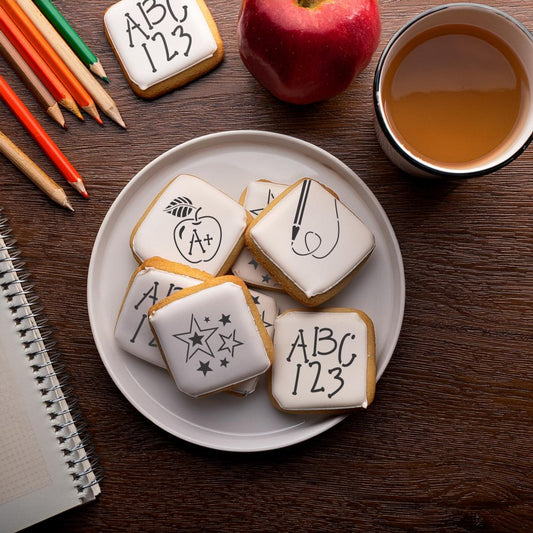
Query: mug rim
point(380, 115)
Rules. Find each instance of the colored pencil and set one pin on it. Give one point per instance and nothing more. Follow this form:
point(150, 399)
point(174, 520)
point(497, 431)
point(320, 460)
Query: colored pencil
point(41, 137)
point(37, 64)
point(68, 33)
point(73, 86)
point(54, 191)
point(32, 82)
point(100, 96)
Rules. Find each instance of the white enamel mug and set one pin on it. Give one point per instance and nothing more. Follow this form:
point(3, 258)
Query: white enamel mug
point(490, 19)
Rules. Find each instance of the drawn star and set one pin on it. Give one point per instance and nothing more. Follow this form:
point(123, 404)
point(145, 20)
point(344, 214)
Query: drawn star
point(204, 367)
point(267, 324)
point(207, 319)
point(229, 342)
point(225, 319)
point(266, 278)
point(224, 362)
point(256, 299)
point(254, 263)
point(196, 339)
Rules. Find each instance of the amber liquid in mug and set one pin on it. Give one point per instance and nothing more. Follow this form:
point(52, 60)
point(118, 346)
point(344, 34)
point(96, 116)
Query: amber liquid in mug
point(454, 95)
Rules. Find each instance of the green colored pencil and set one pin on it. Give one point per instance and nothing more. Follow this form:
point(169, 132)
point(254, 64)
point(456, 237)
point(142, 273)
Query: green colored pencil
point(73, 39)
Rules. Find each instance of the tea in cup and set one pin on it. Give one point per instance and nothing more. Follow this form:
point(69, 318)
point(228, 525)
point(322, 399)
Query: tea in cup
point(453, 92)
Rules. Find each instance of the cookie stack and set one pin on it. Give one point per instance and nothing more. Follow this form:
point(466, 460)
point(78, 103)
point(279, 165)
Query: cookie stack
point(216, 332)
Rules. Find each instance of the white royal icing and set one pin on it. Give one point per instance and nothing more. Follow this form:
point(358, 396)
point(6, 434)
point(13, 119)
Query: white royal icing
point(210, 340)
point(132, 330)
point(156, 39)
point(312, 238)
point(268, 310)
point(192, 223)
point(257, 196)
point(321, 361)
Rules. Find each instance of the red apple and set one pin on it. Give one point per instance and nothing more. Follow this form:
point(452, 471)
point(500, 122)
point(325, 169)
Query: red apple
point(304, 51)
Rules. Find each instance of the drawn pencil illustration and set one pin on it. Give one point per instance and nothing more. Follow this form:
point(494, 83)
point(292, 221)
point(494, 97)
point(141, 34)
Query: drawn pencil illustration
point(305, 241)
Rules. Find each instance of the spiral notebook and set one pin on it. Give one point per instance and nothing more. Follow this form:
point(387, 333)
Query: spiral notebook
point(46, 465)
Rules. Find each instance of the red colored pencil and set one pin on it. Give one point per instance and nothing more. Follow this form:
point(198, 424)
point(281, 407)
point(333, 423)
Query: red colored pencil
point(43, 48)
point(37, 64)
point(41, 137)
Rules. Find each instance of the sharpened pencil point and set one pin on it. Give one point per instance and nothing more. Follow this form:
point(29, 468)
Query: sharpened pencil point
point(68, 206)
point(78, 185)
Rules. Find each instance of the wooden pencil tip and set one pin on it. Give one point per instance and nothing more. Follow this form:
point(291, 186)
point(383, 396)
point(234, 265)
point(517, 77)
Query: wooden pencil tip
point(106, 79)
point(78, 185)
point(68, 206)
point(71, 106)
point(55, 112)
point(93, 112)
point(98, 69)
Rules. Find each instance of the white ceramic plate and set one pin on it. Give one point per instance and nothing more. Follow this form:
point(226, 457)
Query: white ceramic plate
point(230, 160)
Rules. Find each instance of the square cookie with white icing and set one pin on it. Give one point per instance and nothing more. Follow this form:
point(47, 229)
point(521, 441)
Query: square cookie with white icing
point(211, 336)
point(193, 223)
point(268, 310)
point(255, 198)
point(163, 44)
point(325, 361)
point(310, 242)
point(152, 281)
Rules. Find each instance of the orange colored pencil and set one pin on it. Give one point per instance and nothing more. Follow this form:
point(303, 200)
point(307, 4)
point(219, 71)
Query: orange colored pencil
point(37, 64)
point(43, 48)
point(41, 137)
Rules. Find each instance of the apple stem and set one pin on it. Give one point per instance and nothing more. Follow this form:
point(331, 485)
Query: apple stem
point(308, 3)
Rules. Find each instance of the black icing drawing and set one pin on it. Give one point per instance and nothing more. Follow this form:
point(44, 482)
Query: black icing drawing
point(200, 341)
point(196, 339)
point(144, 28)
point(196, 237)
point(312, 243)
point(257, 210)
point(322, 348)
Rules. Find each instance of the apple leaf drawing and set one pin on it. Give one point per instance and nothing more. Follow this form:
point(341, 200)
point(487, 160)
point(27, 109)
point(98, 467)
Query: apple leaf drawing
point(179, 207)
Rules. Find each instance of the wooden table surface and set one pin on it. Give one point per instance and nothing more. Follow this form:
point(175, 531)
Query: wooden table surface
point(447, 444)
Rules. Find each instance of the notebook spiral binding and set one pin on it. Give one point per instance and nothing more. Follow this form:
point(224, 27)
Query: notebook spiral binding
point(49, 373)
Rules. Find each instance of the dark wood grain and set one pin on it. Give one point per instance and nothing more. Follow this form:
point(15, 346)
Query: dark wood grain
point(447, 444)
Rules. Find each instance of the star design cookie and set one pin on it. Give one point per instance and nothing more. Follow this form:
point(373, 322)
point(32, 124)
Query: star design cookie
point(255, 198)
point(207, 357)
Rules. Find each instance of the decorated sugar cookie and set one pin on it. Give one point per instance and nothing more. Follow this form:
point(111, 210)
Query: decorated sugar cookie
point(268, 310)
point(255, 198)
point(163, 44)
point(309, 241)
point(211, 336)
point(193, 223)
point(153, 280)
point(325, 361)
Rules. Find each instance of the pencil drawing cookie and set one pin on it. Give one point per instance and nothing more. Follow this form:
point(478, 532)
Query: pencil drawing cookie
point(163, 44)
point(268, 310)
point(193, 223)
point(325, 360)
point(211, 336)
point(255, 198)
point(309, 241)
point(152, 281)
